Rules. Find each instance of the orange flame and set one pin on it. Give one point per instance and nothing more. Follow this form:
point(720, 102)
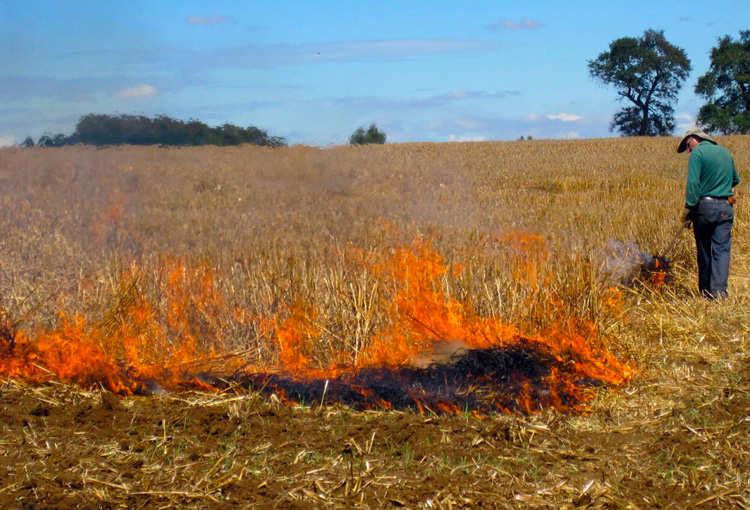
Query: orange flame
point(145, 343)
point(131, 351)
point(425, 318)
point(658, 275)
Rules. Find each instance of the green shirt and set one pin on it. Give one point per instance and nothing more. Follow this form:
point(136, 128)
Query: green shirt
point(711, 172)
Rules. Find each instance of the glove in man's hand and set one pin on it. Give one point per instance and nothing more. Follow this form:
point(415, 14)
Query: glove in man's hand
point(687, 217)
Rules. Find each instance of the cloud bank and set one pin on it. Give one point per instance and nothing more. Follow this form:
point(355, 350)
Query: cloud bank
point(138, 92)
point(524, 24)
point(460, 95)
point(565, 117)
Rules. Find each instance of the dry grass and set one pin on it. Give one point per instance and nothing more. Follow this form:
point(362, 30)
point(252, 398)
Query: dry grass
point(89, 230)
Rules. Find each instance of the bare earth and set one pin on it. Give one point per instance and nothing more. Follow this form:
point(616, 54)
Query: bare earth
point(63, 448)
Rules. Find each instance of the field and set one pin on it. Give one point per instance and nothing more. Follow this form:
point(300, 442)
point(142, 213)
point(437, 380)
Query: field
point(458, 325)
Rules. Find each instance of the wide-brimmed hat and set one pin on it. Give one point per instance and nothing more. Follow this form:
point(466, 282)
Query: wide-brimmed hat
point(694, 131)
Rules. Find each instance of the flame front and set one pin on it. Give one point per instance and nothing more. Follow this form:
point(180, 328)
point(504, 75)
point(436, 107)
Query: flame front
point(130, 351)
point(431, 352)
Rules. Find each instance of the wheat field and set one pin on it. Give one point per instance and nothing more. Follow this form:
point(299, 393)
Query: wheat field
point(258, 253)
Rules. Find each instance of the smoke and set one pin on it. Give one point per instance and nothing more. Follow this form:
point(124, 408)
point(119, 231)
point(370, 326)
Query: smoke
point(622, 260)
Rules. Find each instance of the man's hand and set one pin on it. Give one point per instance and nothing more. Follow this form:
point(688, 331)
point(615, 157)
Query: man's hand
point(687, 217)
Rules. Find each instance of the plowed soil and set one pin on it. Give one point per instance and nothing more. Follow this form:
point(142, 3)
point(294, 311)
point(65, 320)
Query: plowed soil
point(65, 448)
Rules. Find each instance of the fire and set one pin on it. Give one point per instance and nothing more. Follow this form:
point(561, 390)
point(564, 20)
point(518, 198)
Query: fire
point(131, 351)
point(659, 274)
point(434, 337)
point(431, 352)
point(655, 272)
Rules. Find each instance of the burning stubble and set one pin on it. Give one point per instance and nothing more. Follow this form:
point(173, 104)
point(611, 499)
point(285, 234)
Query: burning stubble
point(430, 351)
point(275, 231)
point(625, 263)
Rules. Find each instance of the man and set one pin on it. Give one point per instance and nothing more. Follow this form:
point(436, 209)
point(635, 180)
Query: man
point(709, 200)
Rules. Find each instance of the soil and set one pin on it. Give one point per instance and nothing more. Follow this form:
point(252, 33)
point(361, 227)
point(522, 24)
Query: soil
point(65, 448)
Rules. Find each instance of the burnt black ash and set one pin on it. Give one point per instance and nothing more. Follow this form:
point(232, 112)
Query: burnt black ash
point(492, 380)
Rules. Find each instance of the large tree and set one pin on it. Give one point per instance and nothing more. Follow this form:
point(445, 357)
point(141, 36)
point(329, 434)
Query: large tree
point(648, 72)
point(726, 87)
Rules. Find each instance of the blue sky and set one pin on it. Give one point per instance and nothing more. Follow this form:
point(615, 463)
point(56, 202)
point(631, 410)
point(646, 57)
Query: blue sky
point(313, 72)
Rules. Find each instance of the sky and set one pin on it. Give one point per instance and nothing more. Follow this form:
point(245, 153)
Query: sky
point(313, 72)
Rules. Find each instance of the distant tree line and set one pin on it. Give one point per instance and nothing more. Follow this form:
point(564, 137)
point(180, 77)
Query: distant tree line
point(99, 129)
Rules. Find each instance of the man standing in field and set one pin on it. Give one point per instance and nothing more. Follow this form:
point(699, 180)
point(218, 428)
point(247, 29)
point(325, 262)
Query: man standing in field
point(709, 200)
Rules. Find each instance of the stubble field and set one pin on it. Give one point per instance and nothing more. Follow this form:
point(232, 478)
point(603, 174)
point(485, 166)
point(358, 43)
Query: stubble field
point(161, 308)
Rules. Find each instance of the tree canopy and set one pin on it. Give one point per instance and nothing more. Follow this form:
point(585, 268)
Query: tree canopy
point(99, 129)
point(648, 72)
point(726, 87)
point(372, 135)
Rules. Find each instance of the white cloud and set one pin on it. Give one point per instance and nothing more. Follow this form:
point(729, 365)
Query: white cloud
point(684, 122)
point(531, 116)
point(524, 24)
point(7, 140)
point(468, 127)
point(214, 19)
point(459, 95)
point(681, 127)
point(138, 91)
point(454, 138)
point(565, 117)
point(471, 124)
point(570, 135)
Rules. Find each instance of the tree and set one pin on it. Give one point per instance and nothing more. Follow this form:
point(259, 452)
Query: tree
point(726, 87)
point(648, 72)
point(372, 135)
point(48, 140)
